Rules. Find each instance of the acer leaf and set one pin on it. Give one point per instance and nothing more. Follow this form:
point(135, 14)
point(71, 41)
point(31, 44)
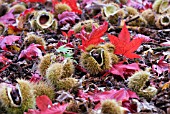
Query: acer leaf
point(123, 45)
point(34, 50)
point(8, 18)
point(68, 17)
point(123, 70)
point(119, 95)
point(93, 38)
point(8, 40)
point(161, 66)
point(46, 107)
point(43, 102)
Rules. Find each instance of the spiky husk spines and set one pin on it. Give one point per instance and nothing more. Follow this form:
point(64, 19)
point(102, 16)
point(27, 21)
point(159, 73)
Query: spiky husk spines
point(90, 64)
point(26, 95)
point(73, 107)
point(107, 61)
point(66, 83)
point(130, 11)
point(45, 62)
point(114, 18)
point(44, 88)
point(43, 21)
point(109, 47)
point(2, 28)
point(18, 8)
point(91, 47)
point(138, 80)
point(4, 100)
point(110, 9)
point(111, 107)
point(114, 58)
point(60, 8)
point(148, 93)
point(149, 16)
point(160, 6)
point(54, 72)
point(87, 24)
point(32, 38)
point(68, 68)
point(138, 22)
point(162, 21)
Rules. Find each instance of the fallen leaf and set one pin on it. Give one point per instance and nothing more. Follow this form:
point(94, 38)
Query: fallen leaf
point(34, 50)
point(94, 37)
point(122, 69)
point(7, 40)
point(68, 17)
point(123, 45)
point(46, 107)
point(161, 66)
point(119, 95)
point(8, 18)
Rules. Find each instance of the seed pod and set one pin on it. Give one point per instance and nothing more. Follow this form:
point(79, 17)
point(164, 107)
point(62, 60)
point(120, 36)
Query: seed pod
point(149, 16)
point(138, 80)
point(2, 28)
point(160, 6)
point(162, 21)
point(96, 59)
point(31, 38)
point(111, 107)
point(54, 72)
point(130, 11)
point(44, 88)
point(43, 20)
point(138, 22)
point(148, 93)
point(66, 83)
point(68, 68)
point(87, 24)
point(45, 62)
point(18, 8)
point(60, 8)
point(18, 100)
point(109, 9)
point(114, 18)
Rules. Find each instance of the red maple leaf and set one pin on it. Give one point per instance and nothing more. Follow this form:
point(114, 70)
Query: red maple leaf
point(119, 95)
point(71, 3)
point(7, 40)
point(94, 37)
point(124, 45)
point(34, 50)
point(46, 107)
point(161, 66)
point(123, 69)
